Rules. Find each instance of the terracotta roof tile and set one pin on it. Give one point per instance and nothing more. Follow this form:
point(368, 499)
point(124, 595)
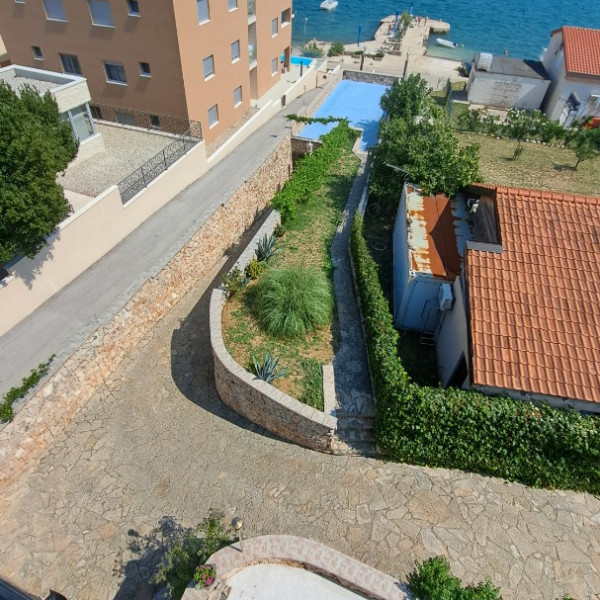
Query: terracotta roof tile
point(535, 307)
point(582, 51)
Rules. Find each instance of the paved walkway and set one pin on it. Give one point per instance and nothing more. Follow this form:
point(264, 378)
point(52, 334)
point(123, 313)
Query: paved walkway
point(155, 449)
point(65, 320)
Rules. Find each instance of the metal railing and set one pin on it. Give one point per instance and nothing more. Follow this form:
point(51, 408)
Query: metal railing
point(151, 169)
point(144, 120)
point(251, 8)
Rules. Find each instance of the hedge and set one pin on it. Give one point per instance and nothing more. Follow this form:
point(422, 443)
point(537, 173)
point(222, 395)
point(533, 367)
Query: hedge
point(501, 436)
point(312, 170)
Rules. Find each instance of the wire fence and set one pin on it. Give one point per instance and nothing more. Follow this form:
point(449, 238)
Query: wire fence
point(151, 169)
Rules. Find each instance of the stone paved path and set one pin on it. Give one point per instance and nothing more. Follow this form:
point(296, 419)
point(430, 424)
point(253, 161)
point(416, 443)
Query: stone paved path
point(154, 449)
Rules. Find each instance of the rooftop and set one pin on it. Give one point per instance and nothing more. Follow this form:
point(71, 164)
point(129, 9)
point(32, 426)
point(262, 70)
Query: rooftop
point(535, 307)
point(16, 76)
point(503, 65)
point(582, 50)
point(437, 232)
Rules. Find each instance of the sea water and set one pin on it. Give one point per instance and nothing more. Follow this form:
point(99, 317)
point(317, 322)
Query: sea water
point(520, 27)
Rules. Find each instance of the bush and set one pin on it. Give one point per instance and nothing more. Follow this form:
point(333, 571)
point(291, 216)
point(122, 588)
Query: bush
point(433, 580)
point(234, 281)
point(254, 269)
point(501, 436)
point(312, 50)
point(265, 248)
point(312, 170)
point(288, 303)
point(189, 550)
point(336, 49)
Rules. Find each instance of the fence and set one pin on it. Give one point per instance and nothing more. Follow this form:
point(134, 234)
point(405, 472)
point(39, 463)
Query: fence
point(137, 118)
point(151, 169)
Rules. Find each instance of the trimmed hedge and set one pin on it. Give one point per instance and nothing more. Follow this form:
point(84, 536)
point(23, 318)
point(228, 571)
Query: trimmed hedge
point(501, 436)
point(312, 170)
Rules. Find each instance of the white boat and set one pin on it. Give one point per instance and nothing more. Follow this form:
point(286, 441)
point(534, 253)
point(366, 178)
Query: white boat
point(328, 4)
point(446, 43)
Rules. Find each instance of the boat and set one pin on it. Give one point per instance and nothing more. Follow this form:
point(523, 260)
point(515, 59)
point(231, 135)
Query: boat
point(328, 4)
point(446, 43)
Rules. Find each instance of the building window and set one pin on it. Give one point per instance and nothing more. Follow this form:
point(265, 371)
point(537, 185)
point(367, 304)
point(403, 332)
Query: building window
point(37, 53)
point(115, 73)
point(209, 66)
point(155, 121)
point(274, 67)
point(235, 51)
point(133, 8)
point(213, 115)
point(203, 11)
point(233, 4)
point(54, 10)
point(237, 96)
point(70, 64)
point(145, 69)
point(100, 11)
point(274, 27)
point(20, 1)
point(285, 17)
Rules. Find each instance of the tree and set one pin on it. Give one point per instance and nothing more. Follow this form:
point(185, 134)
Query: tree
point(407, 99)
point(336, 49)
point(35, 144)
point(586, 144)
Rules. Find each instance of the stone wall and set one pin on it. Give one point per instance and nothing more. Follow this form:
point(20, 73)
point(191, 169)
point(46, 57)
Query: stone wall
point(303, 146)
point(255, 399)
point(303, 553)
point(365, 77)
point(52, 407)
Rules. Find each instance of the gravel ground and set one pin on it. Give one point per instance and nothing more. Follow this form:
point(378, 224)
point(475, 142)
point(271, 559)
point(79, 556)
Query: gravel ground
point(126, 150)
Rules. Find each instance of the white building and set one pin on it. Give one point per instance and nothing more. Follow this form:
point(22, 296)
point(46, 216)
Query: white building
point(573, 63)
point(503, 82)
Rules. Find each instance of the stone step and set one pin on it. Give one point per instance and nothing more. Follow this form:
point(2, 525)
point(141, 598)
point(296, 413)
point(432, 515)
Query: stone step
point(354, 423)
point(355, 448)
point(356, 435)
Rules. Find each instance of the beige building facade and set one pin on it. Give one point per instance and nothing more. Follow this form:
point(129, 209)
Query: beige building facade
point(201, 60)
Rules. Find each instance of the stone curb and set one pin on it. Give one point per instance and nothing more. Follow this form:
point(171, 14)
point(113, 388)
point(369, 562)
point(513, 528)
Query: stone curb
point(304, 553)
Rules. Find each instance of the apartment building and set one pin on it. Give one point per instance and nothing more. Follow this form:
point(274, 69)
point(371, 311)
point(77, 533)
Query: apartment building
point(201, 60)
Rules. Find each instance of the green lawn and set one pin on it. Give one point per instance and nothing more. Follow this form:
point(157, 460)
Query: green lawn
point(306, 242)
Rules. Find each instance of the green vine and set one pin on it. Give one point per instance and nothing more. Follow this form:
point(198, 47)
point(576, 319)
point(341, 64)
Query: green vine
point(321, 120)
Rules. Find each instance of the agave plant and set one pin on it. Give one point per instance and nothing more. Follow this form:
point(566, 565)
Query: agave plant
point(267, 369)
point(266, 248)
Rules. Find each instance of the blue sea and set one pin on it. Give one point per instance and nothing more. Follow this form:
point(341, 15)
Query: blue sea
point(522, 27)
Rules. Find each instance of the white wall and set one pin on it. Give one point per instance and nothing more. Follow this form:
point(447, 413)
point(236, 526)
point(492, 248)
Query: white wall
point(400, 268)
point(453, 339)
point(506, 91)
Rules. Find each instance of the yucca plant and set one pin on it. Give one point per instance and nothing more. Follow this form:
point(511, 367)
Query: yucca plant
point(267, 369)
point(266, 248)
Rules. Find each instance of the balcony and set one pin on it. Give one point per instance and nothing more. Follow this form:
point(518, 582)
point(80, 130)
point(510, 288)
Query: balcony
point(251, 11)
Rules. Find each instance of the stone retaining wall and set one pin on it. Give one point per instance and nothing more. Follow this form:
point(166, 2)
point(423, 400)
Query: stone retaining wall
point(255, 399)
point(303, 146)
point(365, 77)
point(304, 553)
point(52, 407)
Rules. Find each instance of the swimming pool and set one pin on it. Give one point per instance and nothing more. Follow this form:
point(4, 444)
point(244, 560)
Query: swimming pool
point(359, 103)
point(300, 60)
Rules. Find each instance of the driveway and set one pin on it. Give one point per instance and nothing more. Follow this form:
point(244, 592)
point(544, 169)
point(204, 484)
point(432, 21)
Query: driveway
point(154, 449)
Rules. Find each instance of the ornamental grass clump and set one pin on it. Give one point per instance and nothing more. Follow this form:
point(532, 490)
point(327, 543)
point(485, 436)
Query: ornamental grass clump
point(289, 303)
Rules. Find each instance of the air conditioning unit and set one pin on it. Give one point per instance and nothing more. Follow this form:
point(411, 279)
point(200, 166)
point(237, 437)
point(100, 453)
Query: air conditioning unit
point(594, 99)
point(445, 296)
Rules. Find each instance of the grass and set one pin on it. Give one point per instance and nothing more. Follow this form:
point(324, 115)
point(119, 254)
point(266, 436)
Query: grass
point(539, 167)
point(306, 243)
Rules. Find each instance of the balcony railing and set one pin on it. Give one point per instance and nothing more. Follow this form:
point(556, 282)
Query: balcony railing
point(251, 53)
point(251, 8)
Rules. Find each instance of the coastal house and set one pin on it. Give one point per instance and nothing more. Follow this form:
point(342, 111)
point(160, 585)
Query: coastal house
point(503, 82)
point(572, 61)
point(524, 318)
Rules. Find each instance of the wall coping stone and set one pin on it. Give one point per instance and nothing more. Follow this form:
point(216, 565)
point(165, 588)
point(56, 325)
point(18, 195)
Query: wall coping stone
point(304, 553)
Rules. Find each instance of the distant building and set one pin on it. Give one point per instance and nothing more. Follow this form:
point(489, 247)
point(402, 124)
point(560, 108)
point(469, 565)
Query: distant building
point(4, 61)
point(573, 63)
point(503, 82)
point(198, 60)
point(70, 93)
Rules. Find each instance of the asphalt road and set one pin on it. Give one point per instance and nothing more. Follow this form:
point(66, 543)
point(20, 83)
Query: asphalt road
point(64, 321)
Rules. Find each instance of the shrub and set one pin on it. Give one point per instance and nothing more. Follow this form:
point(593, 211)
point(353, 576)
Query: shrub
point(204, 576)
point(266, 247)
point(234, 281)
point(254, 269)
point(279, 230)
point(336, 49)
point(501, 436)
point(190, 549)
point(433, 580)
point(312, 50)
point(288, 303)
point(267, 369)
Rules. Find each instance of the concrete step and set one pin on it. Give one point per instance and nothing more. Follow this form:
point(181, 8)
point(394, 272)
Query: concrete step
point(355, 448)
point(356, 435)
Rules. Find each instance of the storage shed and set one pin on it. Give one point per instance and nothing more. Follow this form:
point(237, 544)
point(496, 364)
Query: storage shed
point(503, 82)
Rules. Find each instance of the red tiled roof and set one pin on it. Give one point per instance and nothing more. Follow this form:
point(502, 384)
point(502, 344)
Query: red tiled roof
point(582, 50)
point(535, 307)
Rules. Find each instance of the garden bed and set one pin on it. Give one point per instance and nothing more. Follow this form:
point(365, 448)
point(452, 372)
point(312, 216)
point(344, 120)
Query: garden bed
point(305, 243)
